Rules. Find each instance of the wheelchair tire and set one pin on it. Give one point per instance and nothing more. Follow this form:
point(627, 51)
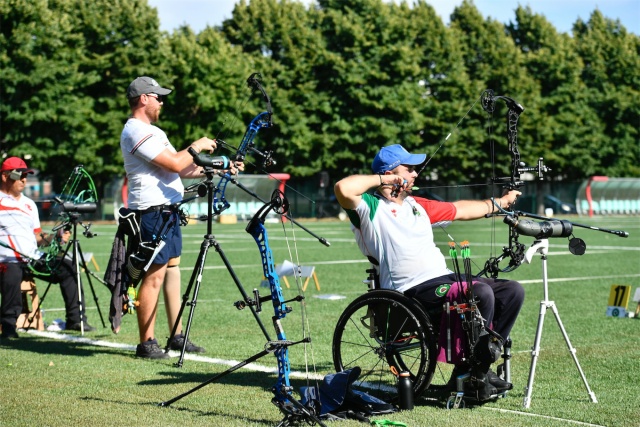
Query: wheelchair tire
point(380, 330)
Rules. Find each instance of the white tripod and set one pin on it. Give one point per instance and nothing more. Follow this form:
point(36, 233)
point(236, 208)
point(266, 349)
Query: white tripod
point(542, 246)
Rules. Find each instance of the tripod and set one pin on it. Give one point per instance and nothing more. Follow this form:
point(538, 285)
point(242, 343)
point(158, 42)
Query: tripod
point(207, 187)
point(78, 261)
point(542, 246)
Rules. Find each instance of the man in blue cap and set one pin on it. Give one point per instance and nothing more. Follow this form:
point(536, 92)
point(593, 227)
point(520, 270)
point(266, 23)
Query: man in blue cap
point(394, 230)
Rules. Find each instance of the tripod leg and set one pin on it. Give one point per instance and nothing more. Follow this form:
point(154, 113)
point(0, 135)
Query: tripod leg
point(534, 354)
point(196, 278)
point(227, 264)
point(78, 279)
point(83, 263)
point(572, 350)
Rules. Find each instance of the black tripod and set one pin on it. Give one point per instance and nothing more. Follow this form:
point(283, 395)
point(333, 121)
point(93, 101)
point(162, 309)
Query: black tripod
point(78, 261)
point(207, 187)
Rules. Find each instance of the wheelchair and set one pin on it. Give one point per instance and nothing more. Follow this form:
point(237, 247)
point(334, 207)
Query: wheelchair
point(384, 332)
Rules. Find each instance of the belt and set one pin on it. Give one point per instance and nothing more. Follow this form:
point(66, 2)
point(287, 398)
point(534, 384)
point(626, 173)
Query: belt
point(154, 209)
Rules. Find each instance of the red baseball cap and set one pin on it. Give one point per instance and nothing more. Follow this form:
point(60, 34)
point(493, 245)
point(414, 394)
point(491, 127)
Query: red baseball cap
point(15, 163)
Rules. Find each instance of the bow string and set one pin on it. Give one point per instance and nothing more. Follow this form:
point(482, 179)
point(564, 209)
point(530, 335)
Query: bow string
point(261, 121)
point(293, 410)
point(514, 251)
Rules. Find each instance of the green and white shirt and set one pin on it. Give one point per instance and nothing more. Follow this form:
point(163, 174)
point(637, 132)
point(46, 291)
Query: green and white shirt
point(400, 238)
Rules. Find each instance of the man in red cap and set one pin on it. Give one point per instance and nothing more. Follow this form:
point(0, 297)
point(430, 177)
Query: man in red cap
point(20, 237)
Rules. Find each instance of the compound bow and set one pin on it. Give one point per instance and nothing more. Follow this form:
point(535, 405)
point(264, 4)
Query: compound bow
point(294, 410)
point(515, 250)
point(261, 121)
point(79, 195)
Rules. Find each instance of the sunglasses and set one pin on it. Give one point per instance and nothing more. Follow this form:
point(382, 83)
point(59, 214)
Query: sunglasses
point(17, 175)
point(156, 96)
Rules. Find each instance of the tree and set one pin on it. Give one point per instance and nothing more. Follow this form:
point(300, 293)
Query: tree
point(209, 88)
point(66, 65)
point(493, 61)
point(611, 58)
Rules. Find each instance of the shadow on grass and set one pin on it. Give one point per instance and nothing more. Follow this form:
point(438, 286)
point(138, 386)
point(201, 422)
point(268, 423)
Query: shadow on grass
point(137, 404)
point(241, 377)
point(64, 348)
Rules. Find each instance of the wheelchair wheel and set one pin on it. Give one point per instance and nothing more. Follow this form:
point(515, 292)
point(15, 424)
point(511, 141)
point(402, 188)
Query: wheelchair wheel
point(381, 330)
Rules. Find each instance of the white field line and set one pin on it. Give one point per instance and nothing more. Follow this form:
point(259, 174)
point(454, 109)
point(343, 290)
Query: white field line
point(252, 367)
point(508, 411)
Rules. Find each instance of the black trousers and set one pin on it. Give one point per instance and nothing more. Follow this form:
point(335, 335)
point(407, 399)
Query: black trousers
point(11, 276)
point(499, 303)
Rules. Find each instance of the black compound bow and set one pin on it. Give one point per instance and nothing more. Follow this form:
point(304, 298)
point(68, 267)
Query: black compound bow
point(515, 250)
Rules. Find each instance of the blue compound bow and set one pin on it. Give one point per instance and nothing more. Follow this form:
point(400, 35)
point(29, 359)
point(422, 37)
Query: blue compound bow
point(294, 410)
point(261, 121)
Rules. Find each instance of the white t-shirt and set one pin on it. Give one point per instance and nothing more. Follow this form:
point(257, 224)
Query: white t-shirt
point(19, 223)
point(400, 238)
point(149, 185)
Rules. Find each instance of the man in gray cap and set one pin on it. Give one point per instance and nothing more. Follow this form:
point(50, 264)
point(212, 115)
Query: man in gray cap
point(154, 170)
point(394, 230)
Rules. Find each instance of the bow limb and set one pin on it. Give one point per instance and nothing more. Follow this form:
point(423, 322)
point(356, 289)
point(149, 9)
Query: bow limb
point(515, 251)
point(79, 195)
point(261, 121)
point(283, 399)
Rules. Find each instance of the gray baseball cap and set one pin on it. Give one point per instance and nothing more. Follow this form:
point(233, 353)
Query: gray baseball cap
point(144, 85)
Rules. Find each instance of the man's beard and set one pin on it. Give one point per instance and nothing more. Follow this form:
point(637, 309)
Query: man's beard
point(153, 114)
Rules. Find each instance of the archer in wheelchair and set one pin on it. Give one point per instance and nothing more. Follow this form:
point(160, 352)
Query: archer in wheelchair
point(402, 315)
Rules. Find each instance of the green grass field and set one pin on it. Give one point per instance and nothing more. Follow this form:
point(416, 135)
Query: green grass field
point(61, 379)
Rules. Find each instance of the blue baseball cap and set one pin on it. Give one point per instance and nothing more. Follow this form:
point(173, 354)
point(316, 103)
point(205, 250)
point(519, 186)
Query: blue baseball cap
point(393, 156)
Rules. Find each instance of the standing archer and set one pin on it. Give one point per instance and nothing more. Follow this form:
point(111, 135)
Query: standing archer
point(393, 229)
point(154, 169)
point(20, 237)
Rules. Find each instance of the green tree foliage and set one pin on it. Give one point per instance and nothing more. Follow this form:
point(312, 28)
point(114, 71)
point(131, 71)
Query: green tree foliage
point(209, 90)
point(611, 58)
point(345, 78)
point(65, 68)
point(279, 38)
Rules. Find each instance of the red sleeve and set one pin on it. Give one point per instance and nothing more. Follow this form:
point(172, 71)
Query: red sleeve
point(437, 211)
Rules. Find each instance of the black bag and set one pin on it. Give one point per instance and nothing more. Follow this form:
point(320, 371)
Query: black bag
point(338, 401)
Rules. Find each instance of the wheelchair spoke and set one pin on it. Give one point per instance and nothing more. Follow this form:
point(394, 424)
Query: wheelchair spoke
point(380, 331)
